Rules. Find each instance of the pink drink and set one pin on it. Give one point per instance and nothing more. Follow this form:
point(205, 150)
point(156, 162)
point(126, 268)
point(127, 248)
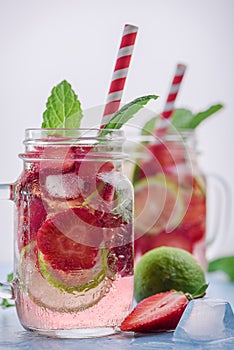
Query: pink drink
point(170, 198)
point(74, 256)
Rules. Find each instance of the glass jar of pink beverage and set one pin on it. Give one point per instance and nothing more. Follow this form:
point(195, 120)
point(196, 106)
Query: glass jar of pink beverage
point(170, 192)
point(73, 264)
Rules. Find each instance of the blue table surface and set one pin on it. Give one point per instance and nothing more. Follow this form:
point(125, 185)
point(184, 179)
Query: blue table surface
point(13, 336)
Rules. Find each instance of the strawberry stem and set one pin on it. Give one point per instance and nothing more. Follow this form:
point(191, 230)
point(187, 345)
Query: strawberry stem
point(199, 293)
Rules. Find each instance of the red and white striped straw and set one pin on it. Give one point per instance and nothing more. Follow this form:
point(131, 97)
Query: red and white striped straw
point(120, 73)
point(165, 116)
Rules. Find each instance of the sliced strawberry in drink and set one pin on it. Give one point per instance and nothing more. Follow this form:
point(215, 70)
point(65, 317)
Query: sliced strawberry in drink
point(194, 231)
point(121, 259)
point(31, 211)
point(28, 183)
point(37, 214)
point(118, 239)
point(196, 211)
point(109, 220)
point(70, 240)
point(160, 158)
point(56, 159)
point(177, 239)
point(159, 312)
point(168, 153)
point(51, 159)
point(105, 188)
point(31, 217)
point(95, 181)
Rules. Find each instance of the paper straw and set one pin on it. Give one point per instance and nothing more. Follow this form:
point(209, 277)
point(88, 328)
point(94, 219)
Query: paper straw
point(164, 118)
point(120, 73)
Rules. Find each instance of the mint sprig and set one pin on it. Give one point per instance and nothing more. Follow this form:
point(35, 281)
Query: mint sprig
point(225, 264)
point(183, 119)
point(63, 108)
point(5, 303)
point(126, 113)
point(199, 117)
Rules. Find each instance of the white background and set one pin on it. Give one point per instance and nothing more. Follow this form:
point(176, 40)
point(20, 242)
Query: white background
point(45, 41)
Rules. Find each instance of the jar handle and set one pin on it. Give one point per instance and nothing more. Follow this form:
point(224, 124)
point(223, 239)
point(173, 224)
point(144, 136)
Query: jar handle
point(220, 201)
point(7, 192)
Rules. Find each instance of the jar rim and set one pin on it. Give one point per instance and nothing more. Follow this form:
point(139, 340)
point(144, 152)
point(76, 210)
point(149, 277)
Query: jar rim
point(40, 141)
point(178, 135)
point(68, 135)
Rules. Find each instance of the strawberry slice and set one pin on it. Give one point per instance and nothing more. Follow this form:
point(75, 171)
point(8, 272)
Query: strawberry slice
point(176, 238)
point(51, 159)
point(159, 312)
point(30, 218)
point(96, 178)
point(196, 212)
point(31, 211)
point(168, 153)
point(162, 158)
point(106, 189)
point(57, 159)
point(70, 240)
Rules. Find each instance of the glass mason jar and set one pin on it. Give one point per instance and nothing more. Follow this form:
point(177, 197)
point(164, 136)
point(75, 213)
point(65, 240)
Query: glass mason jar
point(170, 193)
point(73, 262)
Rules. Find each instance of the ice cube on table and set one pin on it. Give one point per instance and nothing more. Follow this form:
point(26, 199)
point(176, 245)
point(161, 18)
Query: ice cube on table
point(206, 320)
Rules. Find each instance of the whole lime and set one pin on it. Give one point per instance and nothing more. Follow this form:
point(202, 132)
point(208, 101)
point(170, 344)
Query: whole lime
point(166, 268)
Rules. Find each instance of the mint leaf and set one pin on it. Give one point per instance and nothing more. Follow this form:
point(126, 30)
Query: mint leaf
point(5, 303)
point(182, 118)
point(149, 127)
point(198, 118)
point(63, 108)
point(126, 113)
point(225, 264)
point(10, 277)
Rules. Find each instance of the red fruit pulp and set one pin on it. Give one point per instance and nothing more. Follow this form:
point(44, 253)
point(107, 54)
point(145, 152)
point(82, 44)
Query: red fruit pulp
point(169, 159)
point(175, 239)
point(52, 159)
point(31, 210)
point(159, 312)
point(167, 153)
point(30, 219)
point(70, 240)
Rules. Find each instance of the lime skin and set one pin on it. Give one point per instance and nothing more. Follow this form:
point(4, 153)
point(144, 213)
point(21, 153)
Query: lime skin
point(165, 268)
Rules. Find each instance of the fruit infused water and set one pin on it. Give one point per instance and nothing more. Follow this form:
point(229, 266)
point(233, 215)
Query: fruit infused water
point(170, 195)
point(74, 255)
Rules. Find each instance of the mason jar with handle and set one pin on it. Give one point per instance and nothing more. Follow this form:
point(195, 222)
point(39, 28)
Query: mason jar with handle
point(73, 242)
point(171, 195)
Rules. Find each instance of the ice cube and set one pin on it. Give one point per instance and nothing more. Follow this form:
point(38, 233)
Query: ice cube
point(206, 320)
point(64, 186)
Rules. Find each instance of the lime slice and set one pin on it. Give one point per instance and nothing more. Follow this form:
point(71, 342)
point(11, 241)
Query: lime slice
point(200, 186)
point(75, 281)
point(47, 291)
point(158, 205)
